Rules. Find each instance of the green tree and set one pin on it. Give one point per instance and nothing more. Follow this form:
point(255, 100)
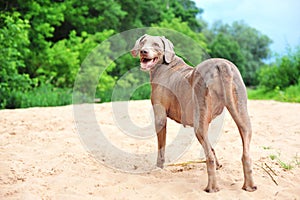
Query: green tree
point(187, 11)
point(89, 16)
point(52, 21)
point(145, 13)
point(222, 46)
point(43, 16)
point(140, 13)
point(253, 45)
point(93, 76)
point(66, 56)
point(14, 47)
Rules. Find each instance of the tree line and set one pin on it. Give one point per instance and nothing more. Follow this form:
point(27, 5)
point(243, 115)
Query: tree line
point(44, 42)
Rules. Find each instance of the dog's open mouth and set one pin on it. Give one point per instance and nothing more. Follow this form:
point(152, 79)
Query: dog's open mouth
point(148, 63)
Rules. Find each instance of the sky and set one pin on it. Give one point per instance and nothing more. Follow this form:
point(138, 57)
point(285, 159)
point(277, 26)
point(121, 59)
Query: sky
point(278, 19)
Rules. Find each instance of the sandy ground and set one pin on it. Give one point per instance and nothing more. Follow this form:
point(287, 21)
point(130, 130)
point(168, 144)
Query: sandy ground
point(44, 154)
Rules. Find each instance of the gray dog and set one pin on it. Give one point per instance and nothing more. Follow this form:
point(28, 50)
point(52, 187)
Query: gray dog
point(194, 97)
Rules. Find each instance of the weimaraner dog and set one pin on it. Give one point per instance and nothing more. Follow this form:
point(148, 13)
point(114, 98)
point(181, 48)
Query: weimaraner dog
point(194, 97)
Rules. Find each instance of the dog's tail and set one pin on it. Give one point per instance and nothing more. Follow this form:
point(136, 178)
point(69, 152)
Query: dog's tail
point(226, 76)
point(232, 83)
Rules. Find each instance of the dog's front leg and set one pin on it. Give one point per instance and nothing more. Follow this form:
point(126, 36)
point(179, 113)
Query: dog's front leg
point(160, 127)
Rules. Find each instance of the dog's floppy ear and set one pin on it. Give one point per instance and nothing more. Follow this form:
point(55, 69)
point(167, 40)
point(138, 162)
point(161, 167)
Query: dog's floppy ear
point(169, 51)
point(135, 50)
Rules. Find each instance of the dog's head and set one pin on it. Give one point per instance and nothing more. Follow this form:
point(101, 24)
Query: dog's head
point(153, 50)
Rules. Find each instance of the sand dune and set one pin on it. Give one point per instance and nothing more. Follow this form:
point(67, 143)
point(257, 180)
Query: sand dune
point(47, 153)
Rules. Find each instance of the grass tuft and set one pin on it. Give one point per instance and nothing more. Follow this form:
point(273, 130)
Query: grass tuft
point(45, 96)
point(289, 94)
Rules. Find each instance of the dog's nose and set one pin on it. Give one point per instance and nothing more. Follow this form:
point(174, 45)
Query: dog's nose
point(144, 52)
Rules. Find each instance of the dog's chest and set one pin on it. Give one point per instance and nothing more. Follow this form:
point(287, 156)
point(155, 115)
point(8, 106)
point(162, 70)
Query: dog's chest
point(172, 89)
point(182, 113)
point(177, 103)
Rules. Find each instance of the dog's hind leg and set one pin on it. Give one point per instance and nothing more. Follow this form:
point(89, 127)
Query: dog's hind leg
point(201, 124)
point(237, 107)
point(202, 117)
point(211, 162)
point(235, 96)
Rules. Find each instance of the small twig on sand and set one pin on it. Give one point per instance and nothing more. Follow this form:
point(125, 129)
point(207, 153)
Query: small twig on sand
point(269, 173)
point(187, 163)
point(271, 169)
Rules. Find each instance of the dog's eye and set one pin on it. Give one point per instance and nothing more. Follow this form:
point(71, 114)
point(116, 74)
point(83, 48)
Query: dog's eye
point(142, 42)
point(155, 44)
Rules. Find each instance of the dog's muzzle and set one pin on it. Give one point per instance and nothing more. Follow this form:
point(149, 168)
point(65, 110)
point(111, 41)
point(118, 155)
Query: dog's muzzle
point(148, 63)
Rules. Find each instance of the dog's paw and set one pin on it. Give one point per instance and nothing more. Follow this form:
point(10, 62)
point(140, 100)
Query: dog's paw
point(211, 189)
point(218, 166)
point(160, 165)
point(249, 188)
point(160, 162)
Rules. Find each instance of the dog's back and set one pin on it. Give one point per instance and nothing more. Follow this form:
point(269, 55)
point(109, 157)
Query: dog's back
point(217, 80)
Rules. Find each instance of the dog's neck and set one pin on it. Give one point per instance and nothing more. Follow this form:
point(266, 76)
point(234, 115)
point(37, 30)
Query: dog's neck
point(177, 64)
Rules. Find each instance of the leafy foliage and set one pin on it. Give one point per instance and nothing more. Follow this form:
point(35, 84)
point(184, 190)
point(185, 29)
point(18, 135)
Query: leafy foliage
point(47, 45)
point(280, 80)
point(243, 45)
point(283, 73)
point(223, 46)
point(14, 46)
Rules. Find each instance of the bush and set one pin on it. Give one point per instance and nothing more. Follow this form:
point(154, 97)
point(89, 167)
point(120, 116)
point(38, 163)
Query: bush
point(14, 46)
point(268, 77)
point(44, 95)
point(143, 92)
point(284, 73)
point(292, 93)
